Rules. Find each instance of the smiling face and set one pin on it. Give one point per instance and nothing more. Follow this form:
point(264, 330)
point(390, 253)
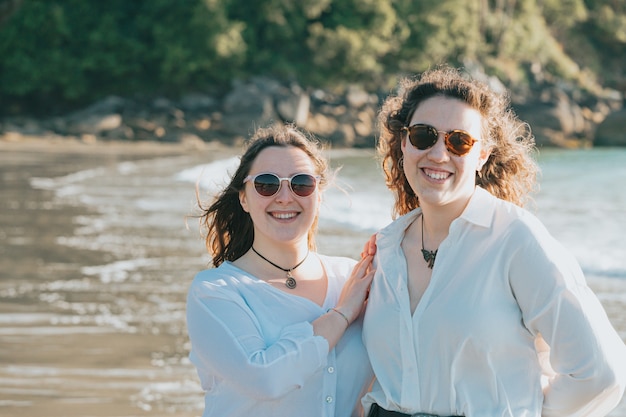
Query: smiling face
point(283, 218)
point(438, 177)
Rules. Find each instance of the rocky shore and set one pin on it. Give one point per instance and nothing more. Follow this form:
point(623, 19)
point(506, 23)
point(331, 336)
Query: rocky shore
point(560, 115)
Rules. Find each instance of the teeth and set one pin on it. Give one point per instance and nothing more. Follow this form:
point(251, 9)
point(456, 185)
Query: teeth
point(284, 215)
point(437, 175)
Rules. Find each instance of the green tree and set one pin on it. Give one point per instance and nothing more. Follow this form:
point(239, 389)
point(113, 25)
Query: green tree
point(60, 53)
point(72, 51)
point(319, 43)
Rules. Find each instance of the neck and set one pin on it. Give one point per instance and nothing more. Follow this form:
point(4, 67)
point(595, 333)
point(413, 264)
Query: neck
point(435, 227)
point(286, 255)
point(290, 281)
point(438, 218)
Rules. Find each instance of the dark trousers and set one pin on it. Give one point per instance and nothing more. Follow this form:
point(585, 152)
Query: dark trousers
point(378, 411)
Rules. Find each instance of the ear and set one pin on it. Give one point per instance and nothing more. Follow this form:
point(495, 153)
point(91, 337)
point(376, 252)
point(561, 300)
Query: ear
point(243, 200)
point(483, 157)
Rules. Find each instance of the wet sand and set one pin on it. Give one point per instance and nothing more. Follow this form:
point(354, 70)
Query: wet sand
point(58, 360)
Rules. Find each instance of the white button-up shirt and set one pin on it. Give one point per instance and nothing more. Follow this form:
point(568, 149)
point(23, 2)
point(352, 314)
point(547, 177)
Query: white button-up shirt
point(256, 354)
point(500, 286)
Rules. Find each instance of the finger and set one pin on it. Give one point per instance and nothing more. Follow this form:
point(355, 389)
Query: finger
point(370, 275)
point(363, 265)
point(371, 245)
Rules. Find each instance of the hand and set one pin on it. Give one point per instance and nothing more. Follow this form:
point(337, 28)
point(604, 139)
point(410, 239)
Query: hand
point(356, 288)
point(370, 247)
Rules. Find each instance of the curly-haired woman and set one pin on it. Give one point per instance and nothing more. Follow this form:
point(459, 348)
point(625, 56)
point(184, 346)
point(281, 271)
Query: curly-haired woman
point(475, 309)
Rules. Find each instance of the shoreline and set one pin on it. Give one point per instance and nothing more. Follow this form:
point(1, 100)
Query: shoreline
point(59, 144)
point(76, 343)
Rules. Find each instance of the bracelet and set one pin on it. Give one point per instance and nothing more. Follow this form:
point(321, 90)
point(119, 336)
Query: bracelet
point(341, 314)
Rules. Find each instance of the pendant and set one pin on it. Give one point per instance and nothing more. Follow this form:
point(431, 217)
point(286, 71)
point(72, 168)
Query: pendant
point(291, 281)
point(429, 256)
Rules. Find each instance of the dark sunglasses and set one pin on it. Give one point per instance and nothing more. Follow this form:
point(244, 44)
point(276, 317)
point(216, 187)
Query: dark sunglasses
point(266, 184)
point(458, 142)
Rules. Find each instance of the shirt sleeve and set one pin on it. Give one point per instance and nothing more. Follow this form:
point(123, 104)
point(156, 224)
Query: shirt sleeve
point(585, 352)
point(227, 342)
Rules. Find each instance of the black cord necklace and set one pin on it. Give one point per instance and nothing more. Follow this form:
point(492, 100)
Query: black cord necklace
point(290, 282)
point(429, 256)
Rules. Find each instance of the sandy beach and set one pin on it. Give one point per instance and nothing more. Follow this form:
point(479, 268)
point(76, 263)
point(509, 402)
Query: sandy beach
point(63, 353)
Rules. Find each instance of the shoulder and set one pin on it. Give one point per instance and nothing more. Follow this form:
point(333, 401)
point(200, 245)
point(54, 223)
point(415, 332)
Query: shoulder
point(526, 233)
point(490, 212)
point(397, 227)
point(220, 281)
point(519, 221)
point(504, 222)
point(337, 265)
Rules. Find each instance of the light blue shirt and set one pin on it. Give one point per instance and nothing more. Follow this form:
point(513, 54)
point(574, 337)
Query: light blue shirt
point(502, 290)
point(256, 354)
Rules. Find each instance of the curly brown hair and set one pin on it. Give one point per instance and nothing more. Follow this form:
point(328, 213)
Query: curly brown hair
point(511, 171)
point(229, 229)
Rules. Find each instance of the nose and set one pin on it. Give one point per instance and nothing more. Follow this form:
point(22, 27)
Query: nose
point(284, 192)
point(439, 152)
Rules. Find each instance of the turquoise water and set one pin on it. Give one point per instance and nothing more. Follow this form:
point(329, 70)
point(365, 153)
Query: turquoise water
point(583, 202)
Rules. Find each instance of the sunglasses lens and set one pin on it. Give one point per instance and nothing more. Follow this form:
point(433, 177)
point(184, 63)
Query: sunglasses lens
point(460, 143)
point(266, 184)
point(303, 185)
point(422, 136)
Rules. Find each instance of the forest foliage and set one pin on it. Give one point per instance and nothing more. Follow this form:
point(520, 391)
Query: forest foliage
point(55, 54)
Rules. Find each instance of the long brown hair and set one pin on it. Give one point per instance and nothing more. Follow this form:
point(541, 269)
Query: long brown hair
point(509, 173)
point(229, 229)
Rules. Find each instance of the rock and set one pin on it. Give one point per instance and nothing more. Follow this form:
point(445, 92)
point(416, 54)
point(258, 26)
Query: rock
point(94, 124)
point(357, 97)
point(196, 102)
point(321, 125)
point(108, 105)
point(557, 115)
point(245, 108)
point(555, 122)
point(611, 131)
point(343, 136)
point(293, 108)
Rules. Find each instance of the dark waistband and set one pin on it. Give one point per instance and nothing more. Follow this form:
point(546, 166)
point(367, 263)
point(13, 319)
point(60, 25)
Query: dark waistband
point(378, 411)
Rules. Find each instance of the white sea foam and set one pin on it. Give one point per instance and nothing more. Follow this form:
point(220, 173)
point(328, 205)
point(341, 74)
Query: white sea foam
point(210, 177)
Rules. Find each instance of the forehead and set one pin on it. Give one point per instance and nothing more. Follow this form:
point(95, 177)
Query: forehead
point(445, 113)
point(283, 160)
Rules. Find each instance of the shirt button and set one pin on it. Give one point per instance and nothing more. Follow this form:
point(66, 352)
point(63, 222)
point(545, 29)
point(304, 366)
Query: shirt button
point(331, 370)
point(329, 399)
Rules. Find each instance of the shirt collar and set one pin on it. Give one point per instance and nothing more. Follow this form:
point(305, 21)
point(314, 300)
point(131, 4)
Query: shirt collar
point(479, 211)
point(481, 208)
point(396, 228)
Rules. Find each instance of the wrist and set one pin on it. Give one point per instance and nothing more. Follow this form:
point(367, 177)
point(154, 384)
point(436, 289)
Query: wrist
point(340, 313)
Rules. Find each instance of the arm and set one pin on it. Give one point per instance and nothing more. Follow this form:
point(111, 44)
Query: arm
point(227, 340)
point(332, 325)
point(586, 353)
